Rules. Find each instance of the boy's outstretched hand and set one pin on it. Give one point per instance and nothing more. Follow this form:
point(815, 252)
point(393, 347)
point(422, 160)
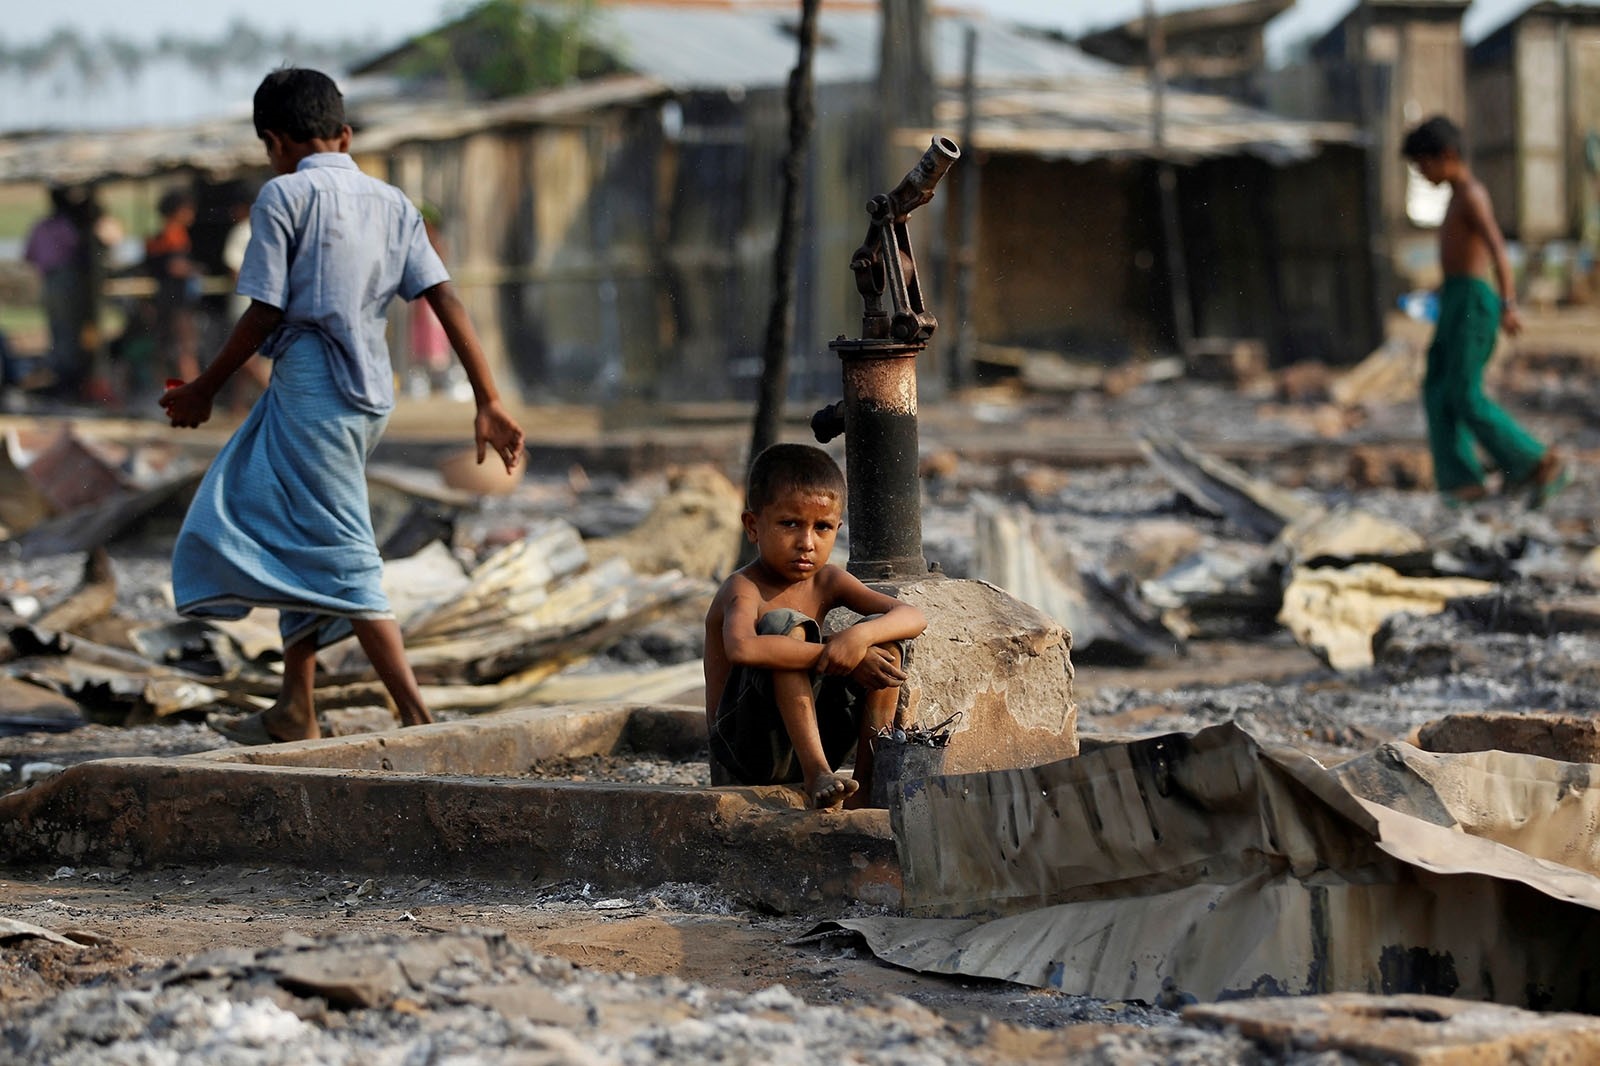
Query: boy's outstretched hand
point(496, 429)
point(188, 405)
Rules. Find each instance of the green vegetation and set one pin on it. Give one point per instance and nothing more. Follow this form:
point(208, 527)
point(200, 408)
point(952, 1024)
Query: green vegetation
point(506, 47)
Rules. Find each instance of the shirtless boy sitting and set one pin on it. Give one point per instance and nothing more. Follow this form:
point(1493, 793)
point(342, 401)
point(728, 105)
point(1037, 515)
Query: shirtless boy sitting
point(783, 703)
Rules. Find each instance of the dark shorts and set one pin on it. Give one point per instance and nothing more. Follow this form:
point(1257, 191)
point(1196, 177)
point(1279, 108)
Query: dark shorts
point(749, 738)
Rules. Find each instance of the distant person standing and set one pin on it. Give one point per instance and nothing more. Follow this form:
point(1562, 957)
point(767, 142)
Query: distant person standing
point(169, 260)
point(55, 249)
point(1471, 313)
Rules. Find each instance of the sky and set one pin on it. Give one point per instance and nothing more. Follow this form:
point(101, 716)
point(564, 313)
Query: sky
point(379, 20)
point(387, 21)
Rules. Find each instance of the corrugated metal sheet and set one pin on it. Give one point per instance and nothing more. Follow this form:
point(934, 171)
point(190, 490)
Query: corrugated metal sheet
point(1041, 96)
point(754, 45)
point(1079, 20)
point(1110, 115)
point(225, 147)
point(1487, 17)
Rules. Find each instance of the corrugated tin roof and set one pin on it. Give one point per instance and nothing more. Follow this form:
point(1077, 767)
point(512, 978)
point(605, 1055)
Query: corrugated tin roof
point(753, 45)
point(1108, 117)
point(1487, 17)
point(1040, 96)
point(1080, 20)
point(228, 146)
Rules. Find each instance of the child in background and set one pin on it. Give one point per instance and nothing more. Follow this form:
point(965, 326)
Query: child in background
point(1471, 314)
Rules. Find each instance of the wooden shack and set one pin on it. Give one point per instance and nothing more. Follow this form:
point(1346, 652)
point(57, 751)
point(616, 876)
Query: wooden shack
point(1072, 253)
point(1534, 84)
point(667, 300)
point(1386, 66)
point(1212, 49)
point(613, 236)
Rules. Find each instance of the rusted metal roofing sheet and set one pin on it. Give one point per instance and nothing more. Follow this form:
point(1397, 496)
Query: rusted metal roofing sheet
point(1487, 17)
point(754, 46)
point(1110, 115)
point(223, 147)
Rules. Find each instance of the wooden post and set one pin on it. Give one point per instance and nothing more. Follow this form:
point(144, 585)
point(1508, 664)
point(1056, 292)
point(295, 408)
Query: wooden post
point(964, 353)
point(1167, 181)
point(780, 317)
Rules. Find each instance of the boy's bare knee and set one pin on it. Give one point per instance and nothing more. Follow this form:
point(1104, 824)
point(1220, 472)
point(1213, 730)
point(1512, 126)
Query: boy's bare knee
point(800, 633)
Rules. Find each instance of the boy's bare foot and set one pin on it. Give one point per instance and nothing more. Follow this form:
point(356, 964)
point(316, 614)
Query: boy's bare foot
point(1551, 476)
point(828, 790)
point(1466, 494)
point(257, 728)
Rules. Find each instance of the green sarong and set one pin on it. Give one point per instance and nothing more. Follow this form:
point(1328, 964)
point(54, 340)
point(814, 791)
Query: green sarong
point(1459, 414)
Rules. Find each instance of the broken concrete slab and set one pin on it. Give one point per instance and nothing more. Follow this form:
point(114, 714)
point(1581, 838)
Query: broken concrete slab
point(1001, 667)
point(1566, 737)
point(1406, 1030)
point(400, 801)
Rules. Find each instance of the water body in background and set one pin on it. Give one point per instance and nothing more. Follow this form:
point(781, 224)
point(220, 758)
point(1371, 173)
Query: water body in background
point(101, 94)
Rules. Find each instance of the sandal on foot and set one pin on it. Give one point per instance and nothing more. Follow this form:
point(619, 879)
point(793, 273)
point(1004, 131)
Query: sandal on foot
point(830, 790)
point(248, 729)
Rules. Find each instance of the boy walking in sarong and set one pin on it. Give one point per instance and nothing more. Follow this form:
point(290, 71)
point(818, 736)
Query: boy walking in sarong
point(281, 519)
point(1471, 314)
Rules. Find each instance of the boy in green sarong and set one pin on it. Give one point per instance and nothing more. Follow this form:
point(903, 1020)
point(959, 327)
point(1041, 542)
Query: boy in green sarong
point(1471, 314)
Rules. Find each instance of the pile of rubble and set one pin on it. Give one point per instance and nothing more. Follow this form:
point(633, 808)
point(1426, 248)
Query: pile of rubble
point(502, 602)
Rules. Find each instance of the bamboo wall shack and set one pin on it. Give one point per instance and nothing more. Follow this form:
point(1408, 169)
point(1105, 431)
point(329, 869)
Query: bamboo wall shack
point(1070, 254)
point(1386, 66)
point(1534, 82)
point(1272, 221)
point(613, 235)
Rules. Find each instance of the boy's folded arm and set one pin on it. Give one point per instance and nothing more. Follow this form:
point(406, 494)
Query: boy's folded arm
point(771, 652)
point(900, 622)
point(896, 619)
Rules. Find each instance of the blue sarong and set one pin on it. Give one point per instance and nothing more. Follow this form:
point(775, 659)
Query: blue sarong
point(281, 518)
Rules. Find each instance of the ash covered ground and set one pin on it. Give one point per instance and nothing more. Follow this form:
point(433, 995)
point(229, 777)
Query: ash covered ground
point(190, 964)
